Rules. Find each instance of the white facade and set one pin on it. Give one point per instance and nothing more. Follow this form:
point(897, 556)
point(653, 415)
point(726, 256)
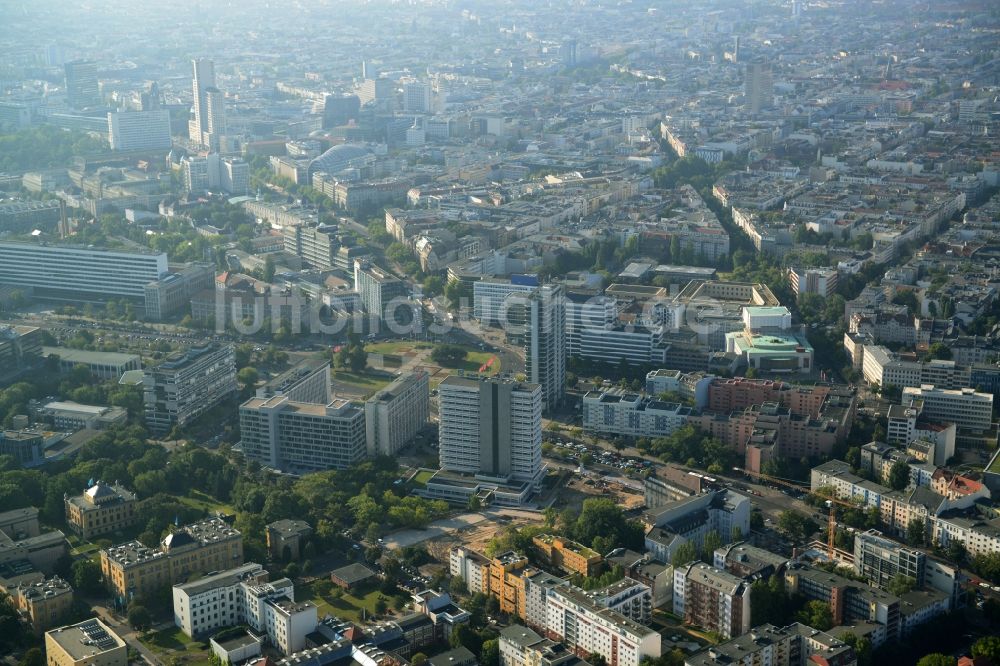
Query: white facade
point(139, 130)
point(186, 385)
point(491, 299)
point(302, 437)
point(586, 627)
point(545, 343)
point(395, 414)
point(966, 408)
point(760, 318)
point(242, 596)
point(631, 414)
point(82, 272)
point(595, 312)
point(491, 428)
point(822, 281)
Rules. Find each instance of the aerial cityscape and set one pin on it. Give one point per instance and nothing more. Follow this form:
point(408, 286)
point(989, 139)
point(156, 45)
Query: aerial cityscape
point(466, 333)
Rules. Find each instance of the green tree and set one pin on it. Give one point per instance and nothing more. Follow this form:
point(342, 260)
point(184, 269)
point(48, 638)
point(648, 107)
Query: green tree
point(937, 659)
point(684, 554)
point(956, 551)
point(795, 525)
point(916, 532)
point(269, 269)
point(32, 657)
point(899, 475)
point(712, 541)
point(939, 350)
point(862, 648)
point(901, 584)
point(457, 587)
point(449, 355)
point(87, 577)
point(419, 659)
point(490, 653)
point(139, 618)
point(989, 647)
point(817, 615)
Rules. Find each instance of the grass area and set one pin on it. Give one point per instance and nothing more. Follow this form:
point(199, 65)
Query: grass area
point(85, 549)
point(396, 347)
point(363, 381)
point(995, 465)
point(173, 642)
point(200, 500)
point(421, 478)
point(345, 605)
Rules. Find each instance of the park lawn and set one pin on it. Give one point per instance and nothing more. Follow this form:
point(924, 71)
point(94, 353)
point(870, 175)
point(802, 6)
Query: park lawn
point(85, 549)
point(396, 347)
point(474, 359)
point(995, 467)
point(174, 642)
point(346, 606)
point(205, 502)
point(363, 381)
point(421, 478)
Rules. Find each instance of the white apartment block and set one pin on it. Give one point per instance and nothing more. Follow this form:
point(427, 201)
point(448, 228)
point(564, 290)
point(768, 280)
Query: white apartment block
point(588, 628)
point(980, 537)
point(712, 598)
point(378, 290)
point(301, 437)
point(617, 412)
point(628, 597)
point(881, 367)
point(396, 413)
point(77, 273)
point(491, 428)
point(587, 312)
point(188, 384)
point(491, 298)
point(966, 407)
point(822, 281)
point(471, 566)
point(139, 130)
point(243, 596)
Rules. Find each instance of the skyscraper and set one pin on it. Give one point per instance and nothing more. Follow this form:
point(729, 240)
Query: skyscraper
point(545, 343)
point(81, 84)
point(758, 87)
point(491, 428)
point(209, 122)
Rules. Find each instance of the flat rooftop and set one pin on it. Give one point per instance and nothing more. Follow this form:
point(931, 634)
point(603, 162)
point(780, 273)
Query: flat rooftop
point(86, 639)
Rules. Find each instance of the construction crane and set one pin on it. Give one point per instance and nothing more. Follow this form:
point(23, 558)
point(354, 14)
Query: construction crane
point(831, 503)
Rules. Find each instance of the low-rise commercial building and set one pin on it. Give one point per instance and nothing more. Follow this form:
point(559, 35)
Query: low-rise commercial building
point(724, 512)
point(102, 365)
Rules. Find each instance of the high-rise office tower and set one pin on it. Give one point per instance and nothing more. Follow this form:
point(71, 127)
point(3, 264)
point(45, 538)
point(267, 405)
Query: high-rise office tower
point(417, 97)
point(209, 122)
point(758, 87)
point(545, 343)
point(491, 428)
point(81, 84)
point(139, 130)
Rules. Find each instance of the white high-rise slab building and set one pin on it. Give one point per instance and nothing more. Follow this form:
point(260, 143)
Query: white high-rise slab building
point(491, 428)
point(545, 343)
